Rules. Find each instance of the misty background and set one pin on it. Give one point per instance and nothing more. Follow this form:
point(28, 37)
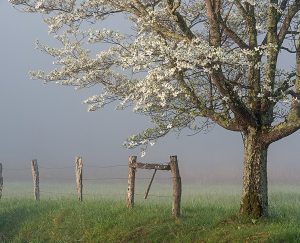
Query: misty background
point(49, 122)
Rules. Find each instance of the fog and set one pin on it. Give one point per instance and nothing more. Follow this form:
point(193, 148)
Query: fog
point(50, 123)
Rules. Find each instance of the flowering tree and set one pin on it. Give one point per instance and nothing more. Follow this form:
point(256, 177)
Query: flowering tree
point(186, 64)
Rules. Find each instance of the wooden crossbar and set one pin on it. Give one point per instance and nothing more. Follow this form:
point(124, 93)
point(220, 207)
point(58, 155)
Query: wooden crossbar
point(151, 166)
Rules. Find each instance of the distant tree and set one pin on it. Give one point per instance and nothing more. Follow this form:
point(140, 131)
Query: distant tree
point(187, 64)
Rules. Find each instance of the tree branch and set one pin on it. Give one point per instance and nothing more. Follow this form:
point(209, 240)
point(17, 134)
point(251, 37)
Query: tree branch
point(293, 10)
point(216, 117)
point(231, 34)
point(172, 8)
point(243, 116)
point(283, 6)
point(282, 130)
point(287, 49)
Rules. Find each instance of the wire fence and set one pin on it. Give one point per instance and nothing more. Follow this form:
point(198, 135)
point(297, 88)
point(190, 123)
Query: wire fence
point(99, 181)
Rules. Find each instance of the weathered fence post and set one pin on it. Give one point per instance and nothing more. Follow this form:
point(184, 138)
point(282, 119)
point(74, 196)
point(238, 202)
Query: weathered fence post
point(1, 180)
point(36, 179)
point(131, 181)
point(176, 186)
point(78, 171)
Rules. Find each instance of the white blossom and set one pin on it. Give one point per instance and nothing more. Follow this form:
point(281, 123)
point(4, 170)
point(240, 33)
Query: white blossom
point(168, 71)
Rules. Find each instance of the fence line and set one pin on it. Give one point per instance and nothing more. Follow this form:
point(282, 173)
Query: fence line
point(105, 166)
point(92, 194)
point(86, 166)
point(15, 169)
point(56, 168)
point(68, 167)
point(57, 178)
point(39, 172)
point(154, 195)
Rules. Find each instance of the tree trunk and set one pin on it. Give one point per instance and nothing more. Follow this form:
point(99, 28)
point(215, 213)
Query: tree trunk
point(254, 201)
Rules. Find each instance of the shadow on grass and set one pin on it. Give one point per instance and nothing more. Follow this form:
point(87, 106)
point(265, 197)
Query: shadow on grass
point(222, 223)
point(14, 213)
point(282, 225)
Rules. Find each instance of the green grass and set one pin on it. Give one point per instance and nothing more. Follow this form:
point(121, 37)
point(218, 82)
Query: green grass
point(209, 216)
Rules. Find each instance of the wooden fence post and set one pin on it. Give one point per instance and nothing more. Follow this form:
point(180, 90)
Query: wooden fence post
point(36, 179)
point(176, 186)
point(131, 181)
point(1, 180)
point(78, 171)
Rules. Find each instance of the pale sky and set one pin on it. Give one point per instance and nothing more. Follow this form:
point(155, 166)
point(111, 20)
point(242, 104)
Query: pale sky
point(50, 123)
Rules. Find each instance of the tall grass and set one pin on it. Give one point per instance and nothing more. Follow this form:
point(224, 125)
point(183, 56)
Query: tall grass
point(209, 214)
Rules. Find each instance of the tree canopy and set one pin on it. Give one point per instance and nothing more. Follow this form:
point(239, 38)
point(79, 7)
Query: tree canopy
point(182, 60)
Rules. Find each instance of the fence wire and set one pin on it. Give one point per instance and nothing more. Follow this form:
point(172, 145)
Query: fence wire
point(42, 168)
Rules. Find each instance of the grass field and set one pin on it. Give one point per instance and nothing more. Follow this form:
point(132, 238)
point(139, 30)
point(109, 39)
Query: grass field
point(207, 216)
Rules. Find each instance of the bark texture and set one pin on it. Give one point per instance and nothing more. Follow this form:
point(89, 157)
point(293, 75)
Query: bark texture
point(1, 180)
point(131, 181)
point(176, 186)
point(78, 171)
point(254, 201)
point(36, 179)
